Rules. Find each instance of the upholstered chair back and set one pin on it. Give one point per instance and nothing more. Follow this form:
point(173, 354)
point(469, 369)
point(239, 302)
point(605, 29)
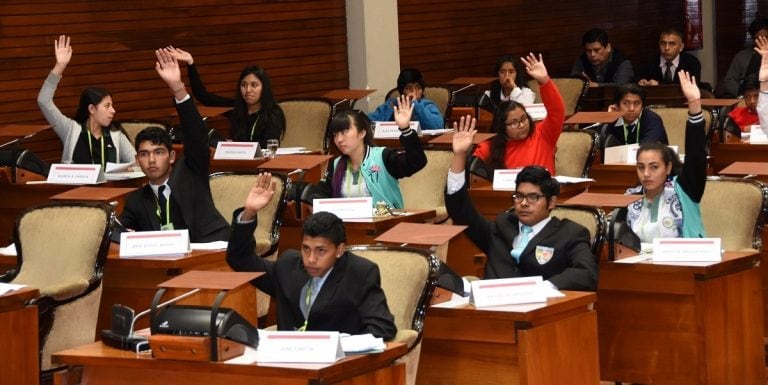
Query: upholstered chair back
point(426, 188)
point(592, 218)
point(571, 89)
point(733, 209)
point(306, 122)
point(674, 119)
point(574, 152)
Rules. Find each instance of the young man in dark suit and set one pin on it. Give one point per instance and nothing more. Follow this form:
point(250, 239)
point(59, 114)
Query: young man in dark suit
point(663, 69)
point(526, 241)
point(178, 195)
point(323, 287)
point(637, 125)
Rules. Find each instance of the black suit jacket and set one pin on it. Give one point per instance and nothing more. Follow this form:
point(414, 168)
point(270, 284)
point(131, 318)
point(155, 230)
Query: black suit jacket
point(189, 187)
point(651, 130)
point(572, 266)
point(350, 301)
point(688, 62)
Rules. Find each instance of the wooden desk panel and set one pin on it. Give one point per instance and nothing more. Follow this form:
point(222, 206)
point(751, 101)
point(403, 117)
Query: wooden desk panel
point(612, 178)
point(19, 356)
point(724, 154)
point(105, 365)
point(664, 324)
point(553, 344)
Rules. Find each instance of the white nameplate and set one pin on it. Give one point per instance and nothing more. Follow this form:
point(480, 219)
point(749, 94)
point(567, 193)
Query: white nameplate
point(75, 174)
point(144, 243)
point(302, 347)
point(507, 291)
point(537, 111)
point(345, 208)
point(390, 130)
point(687, 250)
point(236, 150)
point(626, 154)
point(504, 179)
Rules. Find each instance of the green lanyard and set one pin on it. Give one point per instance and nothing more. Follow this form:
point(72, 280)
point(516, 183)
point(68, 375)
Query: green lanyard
point(637, 132)
point(90, 149)
point(253, 126)
point(167, 210)
point(308, 302)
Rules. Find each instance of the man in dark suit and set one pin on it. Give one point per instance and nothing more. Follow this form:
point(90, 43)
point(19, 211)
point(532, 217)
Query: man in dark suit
point(526, 241)
point(323, 287)
point(637, 125)
point(601, 64)
point(663, 69)
point(178, 195)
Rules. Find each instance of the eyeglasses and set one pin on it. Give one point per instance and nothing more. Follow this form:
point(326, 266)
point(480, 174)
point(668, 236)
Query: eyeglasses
point(517, 123)
point(531, 198)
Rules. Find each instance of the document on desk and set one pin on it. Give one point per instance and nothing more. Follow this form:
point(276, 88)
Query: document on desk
point(362, 344)
point(571, 179)
point(215, 245)
point(118, 167)
point(291, 150)
point(9, 250)
point(9, 287)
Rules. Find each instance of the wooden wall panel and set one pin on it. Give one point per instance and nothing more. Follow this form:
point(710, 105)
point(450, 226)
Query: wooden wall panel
point(450, 38)
point(732, 20)
point(301, 44)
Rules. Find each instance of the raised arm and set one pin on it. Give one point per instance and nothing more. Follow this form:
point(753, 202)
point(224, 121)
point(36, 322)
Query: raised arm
point(410, 159)
point(762, 101)
point(693, 177)
point(61, 123)
point(198, 88)
point(552, 125)
point(63, 51)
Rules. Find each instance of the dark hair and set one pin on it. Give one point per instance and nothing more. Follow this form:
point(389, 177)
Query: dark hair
point(326, 225)
point(91, 96)
point(595, 35)
point(750, 83)
point(155, 135)
point(521, 78)
point(343, 120)
point(628, 88)
point(270, 114)
point(409, 75)
point(499, 127)
point(672, 31)
point(668, 155)
point(539, 176)
point(757, 25)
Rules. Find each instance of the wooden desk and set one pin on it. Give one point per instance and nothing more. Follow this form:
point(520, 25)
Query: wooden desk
point(740, 169)
point(725, 154)
point(666, 324)
point(337, 97)
point(541, 344)
point(105, 365)
point(96, 194)
point(588, 117)
point(19, 356)
point(612, 178)
point(133, 282)
point(490, 202)
point(314, 165)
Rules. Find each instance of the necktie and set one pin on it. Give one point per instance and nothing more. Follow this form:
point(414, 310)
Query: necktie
point(668, 72)
point(308, 294)
point(631, 134)
point(522, 243)
point(163, 203)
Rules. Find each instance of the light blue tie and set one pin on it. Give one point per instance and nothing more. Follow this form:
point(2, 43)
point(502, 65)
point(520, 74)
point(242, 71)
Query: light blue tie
point(526, 232)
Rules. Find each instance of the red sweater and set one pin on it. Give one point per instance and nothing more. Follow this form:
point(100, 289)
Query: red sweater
point(539, 147)
point(744, 118)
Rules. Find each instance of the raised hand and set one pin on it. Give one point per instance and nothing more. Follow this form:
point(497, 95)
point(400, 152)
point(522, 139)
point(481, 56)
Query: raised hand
point(259, 197)
point(63, 52)
point(535, 67)
point(464, 135)
point(181, 55)
point(761, 45)
point(762, 49)
point(403, 112)
point(168, 69)
point(690, 91)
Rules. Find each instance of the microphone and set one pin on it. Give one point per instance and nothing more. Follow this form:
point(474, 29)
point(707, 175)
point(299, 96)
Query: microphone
point(121, 334)
point(593, 125)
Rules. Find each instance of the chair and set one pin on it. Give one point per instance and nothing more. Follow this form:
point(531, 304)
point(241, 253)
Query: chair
point(425, 189)
point(441, 96)
point(408, 278)
point(62, 248)
point(674, 119)
point(306, 123)
point(575, 151)
point(734, 209)
point(592, 218)
point(571, 89)
point(229, 191)
point(133, 127)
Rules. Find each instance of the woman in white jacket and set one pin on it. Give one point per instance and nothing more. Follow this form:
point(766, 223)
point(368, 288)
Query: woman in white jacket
point(89, 138)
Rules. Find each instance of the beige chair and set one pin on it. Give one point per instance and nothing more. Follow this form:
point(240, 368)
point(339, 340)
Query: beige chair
point(733, 209)
point(571, 89)
point(426, 188)
point(592, 218)
point(441, 96)
point(674, 119)
point(306, 123)
point(62, 248)
point(229, 191)
point(574, 152)
point(133, 127)
point(408, 278)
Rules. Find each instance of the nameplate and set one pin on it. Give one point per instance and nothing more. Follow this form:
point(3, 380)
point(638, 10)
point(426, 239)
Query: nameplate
point(504, 179)
point(687, 250)
point(626, 154)
point(75, 174)
point(507, 291)
point(300, 347)
point(345, 208)
point(537, 111)
point(146, 243)
point(390, 130)
point(236, 150)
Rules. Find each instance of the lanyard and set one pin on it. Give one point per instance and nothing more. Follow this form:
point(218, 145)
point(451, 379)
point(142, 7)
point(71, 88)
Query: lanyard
point(637, 132)
point(253, 126)
point(167, 211)
point(308, 302)
point(90, 149)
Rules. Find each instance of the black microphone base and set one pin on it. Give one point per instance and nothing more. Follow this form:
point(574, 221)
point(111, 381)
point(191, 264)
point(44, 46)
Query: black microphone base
point(115, 340)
